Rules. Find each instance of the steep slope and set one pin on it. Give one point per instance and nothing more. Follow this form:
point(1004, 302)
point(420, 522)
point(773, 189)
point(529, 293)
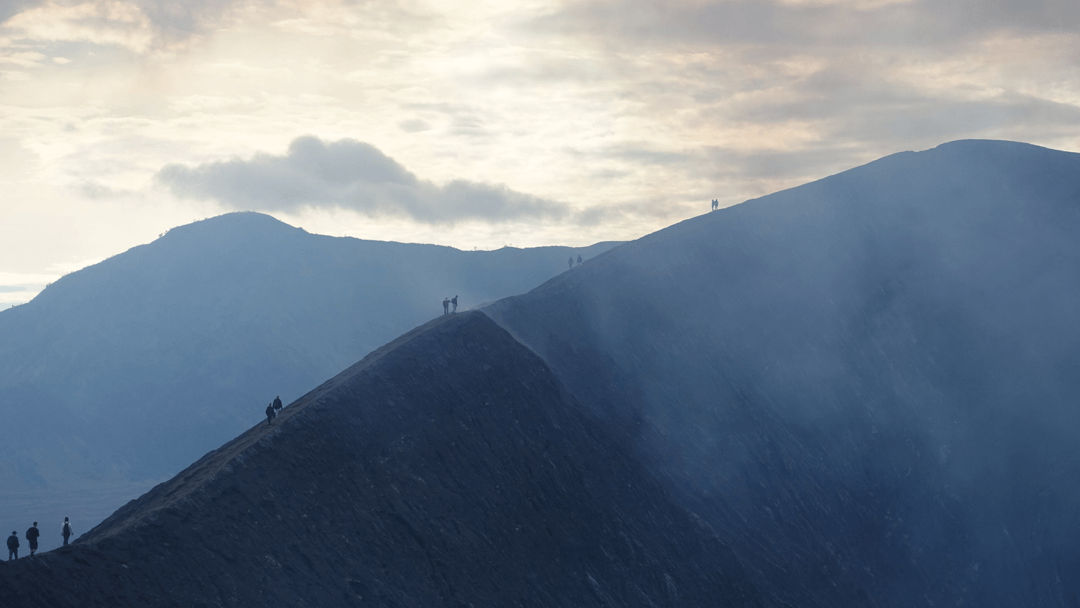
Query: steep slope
point(864, 384)
point(448, 468)
point(129, 369)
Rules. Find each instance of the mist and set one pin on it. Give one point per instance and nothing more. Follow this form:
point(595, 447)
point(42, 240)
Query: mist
point(882, 362)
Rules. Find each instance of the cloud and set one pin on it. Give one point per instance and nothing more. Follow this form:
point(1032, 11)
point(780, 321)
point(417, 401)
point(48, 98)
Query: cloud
point(352, 175)
point(837, 23)
point(414, 125)
point(137, 25)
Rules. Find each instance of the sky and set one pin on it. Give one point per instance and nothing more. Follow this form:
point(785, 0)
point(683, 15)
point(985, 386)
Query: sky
point(485, 123)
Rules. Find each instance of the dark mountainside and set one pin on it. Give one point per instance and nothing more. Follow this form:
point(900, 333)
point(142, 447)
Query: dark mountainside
point(448, 468)
point(131, 368)
point(866, 385)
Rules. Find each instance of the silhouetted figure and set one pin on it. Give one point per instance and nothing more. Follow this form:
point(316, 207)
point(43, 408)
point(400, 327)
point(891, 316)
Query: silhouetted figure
point(453, 301)
point(13, 546)
point(66, 531)
point(446, 306)
point(32, 535)
point(277, 404)
point(570, 262)
point(579, 259)
point(270, 413)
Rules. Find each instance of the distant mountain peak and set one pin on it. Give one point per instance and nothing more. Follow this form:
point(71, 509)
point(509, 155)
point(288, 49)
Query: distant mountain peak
point(237, 223)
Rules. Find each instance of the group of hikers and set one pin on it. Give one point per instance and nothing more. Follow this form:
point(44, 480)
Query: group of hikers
point(447, 302)
point(715, 204)
point(570, 262)
point(32, 534)
point(273, 409)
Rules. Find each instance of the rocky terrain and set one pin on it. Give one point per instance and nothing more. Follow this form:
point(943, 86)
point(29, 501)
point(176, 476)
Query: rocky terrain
point(446, 469)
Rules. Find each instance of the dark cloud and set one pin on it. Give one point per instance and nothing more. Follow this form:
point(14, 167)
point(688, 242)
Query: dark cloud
point(772, 22)
point(351, 175)
point(12, 7)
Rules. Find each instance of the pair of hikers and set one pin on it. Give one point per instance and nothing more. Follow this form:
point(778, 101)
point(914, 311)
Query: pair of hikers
point(446, 305)
point(273, 409)
point(570, 262)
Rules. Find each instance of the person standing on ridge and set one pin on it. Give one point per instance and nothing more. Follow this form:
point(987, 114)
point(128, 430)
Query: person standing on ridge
point(453, 301)
point(570, 262)
point(13, 546)
point(32, 535)
point(446, 306)
point(66, 531)
point(277, 405)
point(579, 259)
point(270, 413)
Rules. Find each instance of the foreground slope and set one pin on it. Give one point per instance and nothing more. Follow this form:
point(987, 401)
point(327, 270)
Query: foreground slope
point(131, 368)
point(865, 384)
point(448, 468)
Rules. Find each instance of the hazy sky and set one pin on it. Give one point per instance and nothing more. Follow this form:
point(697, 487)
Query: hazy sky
point(484, 123)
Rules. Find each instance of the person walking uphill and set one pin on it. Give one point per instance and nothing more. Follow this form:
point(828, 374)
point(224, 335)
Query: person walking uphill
point(277, 405)
point(66, 531)
point(270, 413)
point(32, 535)
point(13, 546)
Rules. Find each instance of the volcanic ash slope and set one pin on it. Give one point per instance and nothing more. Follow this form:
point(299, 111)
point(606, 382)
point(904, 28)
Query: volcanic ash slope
point(448, 468)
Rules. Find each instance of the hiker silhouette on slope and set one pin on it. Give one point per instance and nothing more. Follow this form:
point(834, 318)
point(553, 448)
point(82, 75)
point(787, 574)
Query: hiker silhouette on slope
point(66, 531)
point(453, 301)
point(13, 546)
point(446, 306)
point(277, 405)
point(270, 413)
point(32, 535)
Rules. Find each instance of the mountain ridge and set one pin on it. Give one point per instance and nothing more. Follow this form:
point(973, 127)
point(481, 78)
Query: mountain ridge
point(125, 371)
point(447, 468)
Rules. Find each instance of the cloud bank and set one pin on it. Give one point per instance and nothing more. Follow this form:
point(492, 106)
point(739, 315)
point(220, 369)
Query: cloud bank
point(351, 175)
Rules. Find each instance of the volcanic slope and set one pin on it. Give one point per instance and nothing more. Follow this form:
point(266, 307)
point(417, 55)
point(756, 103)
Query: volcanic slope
point(448, 468)
point(130, 369)
point(867, 385)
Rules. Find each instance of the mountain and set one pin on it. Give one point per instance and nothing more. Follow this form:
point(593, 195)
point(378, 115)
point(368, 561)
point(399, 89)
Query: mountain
point(859, 392)
point(448, 468)
point(867, 385)
point(120, 374)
